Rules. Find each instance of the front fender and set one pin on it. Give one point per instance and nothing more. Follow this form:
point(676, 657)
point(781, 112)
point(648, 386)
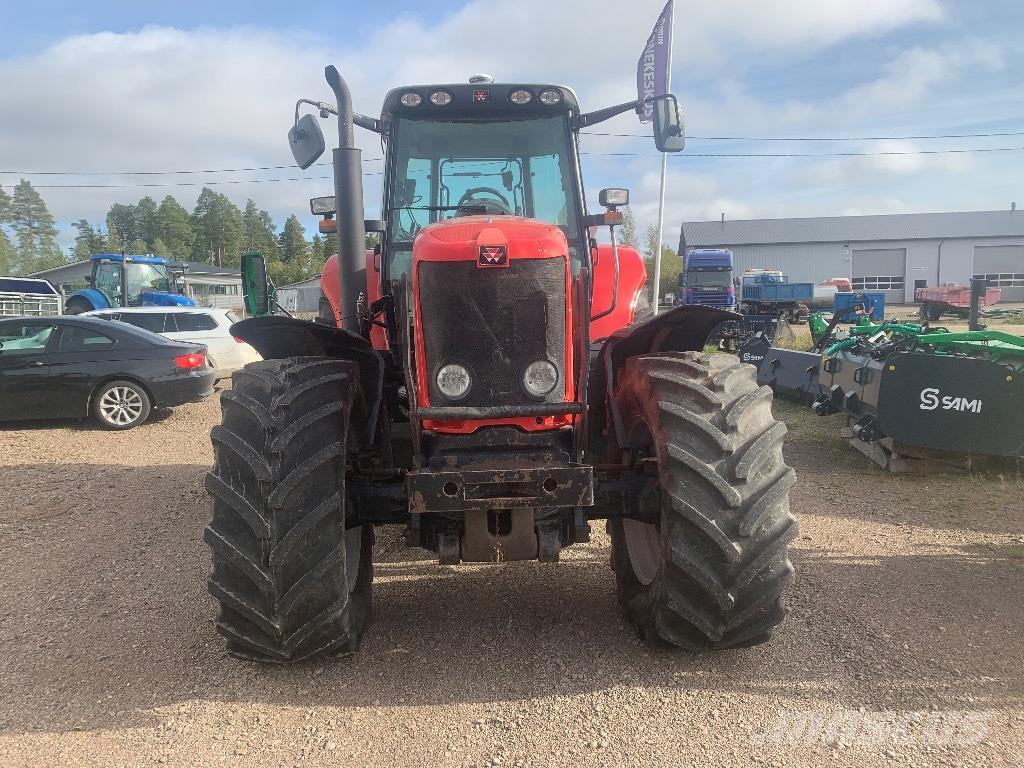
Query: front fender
point(276, 337)
point(680, 329)
point(97, 299)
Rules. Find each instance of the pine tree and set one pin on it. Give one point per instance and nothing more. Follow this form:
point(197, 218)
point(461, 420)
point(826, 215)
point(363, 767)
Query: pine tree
point(34, 228)
point(220, 233)
point(259, 232)
point(318, 253)
point(5, 207)
point(174, 229)
point(146, 222)
point(122, 227)
point(7, 254)
point(89, 240)
point(294, 248)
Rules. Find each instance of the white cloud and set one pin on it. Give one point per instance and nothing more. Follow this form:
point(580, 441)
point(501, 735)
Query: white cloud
point(914, 73)
point(161, 99)
point(849, 171)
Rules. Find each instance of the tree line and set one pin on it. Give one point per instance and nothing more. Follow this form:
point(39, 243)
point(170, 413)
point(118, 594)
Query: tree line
point(216, 232)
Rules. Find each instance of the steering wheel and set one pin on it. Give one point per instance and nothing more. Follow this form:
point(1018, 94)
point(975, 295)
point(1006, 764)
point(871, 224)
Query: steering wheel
point(501, 203)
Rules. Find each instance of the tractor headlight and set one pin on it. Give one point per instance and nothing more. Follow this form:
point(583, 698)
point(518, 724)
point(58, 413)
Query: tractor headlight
point(540, 377)
point(410, 99)
point(440, 98)
point(520, 96)
point(550, 96)
point(454, 381)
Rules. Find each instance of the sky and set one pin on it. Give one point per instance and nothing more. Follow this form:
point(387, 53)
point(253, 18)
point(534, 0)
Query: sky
point(109, 87)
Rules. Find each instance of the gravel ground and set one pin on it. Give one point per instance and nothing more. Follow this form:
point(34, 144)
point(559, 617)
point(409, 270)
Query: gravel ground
point(903, 645)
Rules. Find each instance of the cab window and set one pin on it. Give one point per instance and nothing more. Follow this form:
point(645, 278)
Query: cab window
point(24, 338)
point(108, 282)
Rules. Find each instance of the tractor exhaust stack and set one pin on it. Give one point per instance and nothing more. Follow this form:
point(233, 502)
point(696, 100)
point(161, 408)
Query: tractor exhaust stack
point(348, 197)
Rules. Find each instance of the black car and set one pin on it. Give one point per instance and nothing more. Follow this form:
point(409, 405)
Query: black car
point(61, 367)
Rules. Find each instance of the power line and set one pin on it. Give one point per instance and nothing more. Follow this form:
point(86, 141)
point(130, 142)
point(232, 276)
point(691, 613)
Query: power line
point(815, 154)
point(190, 183)
point(819, 138)
point(888, 153)
point(171, 173)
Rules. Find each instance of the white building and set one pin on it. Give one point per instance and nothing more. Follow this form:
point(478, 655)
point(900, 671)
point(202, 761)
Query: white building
point(893, 253)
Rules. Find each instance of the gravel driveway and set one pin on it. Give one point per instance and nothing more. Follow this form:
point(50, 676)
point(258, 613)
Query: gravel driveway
point(903, 646)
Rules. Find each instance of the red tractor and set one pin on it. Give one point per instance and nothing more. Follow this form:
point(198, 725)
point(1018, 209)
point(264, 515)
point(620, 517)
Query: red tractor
point(480, 381)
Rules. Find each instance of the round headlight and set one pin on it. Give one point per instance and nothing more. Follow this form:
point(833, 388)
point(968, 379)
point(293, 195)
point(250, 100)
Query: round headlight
point(410, 99)
point(440, 98)
point(520, 96)
point(540, 377)
point(453, 381)
point(550, 96)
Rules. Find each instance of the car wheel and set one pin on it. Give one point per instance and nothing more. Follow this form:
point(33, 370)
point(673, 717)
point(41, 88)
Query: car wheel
point(121, 405)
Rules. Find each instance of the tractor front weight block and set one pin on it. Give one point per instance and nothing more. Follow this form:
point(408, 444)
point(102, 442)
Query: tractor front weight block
point(487, 489)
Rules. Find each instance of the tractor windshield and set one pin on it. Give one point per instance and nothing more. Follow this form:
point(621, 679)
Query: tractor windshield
point(141, 277)
point(455, 168)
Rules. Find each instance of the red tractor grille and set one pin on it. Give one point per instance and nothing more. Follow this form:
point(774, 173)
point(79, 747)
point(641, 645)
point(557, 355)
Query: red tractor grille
point(494, 322)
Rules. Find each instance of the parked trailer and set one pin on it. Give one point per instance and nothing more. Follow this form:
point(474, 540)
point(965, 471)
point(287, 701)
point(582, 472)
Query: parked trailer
point(952, 300)
point(768, 292)
point(29, 296)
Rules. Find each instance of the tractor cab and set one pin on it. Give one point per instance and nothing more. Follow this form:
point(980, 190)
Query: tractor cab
point(119, 280)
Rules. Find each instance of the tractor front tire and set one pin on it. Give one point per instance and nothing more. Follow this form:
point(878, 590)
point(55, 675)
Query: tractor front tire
point(702, 562)
point(293, 580)
point(76, 306)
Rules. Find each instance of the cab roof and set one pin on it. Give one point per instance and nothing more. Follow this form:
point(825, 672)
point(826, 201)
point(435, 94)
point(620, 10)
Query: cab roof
point(129, 257)
point(477, 100)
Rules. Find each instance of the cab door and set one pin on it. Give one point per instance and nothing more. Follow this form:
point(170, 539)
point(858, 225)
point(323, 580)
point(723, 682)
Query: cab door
point(24, 368)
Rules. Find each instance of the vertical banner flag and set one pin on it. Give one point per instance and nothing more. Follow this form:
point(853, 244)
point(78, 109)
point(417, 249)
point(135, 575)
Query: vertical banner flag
point(652, 69)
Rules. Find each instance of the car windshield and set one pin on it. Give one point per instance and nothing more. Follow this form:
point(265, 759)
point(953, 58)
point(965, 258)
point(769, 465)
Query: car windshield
point(452, 168)
point(708, 278)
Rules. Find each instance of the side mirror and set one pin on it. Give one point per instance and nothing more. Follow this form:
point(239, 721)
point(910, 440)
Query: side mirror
point(669, 133)
point(306, 140)
point(257, 290)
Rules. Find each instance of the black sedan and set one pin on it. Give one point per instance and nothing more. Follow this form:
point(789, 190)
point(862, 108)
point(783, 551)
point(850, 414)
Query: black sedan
point(68, 367)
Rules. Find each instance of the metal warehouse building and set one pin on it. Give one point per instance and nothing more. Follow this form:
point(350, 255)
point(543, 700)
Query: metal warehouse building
point(893, 253)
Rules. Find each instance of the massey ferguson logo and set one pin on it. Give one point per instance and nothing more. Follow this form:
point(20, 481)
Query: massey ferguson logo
point(932, 399)
point(493, 256)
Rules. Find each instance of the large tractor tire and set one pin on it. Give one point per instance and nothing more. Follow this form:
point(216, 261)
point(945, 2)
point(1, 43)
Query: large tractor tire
point(293, 580)
point(702, 562)
point(76, 306)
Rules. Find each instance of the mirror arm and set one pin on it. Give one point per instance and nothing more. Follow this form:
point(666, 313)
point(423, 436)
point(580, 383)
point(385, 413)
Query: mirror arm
point(593, 118)
point(369, 123)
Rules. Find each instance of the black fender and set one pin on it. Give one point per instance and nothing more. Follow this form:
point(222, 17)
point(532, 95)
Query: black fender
point(681, 329)
point(276, 337)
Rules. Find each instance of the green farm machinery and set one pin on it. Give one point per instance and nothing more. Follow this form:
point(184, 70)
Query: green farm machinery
point(906, 387)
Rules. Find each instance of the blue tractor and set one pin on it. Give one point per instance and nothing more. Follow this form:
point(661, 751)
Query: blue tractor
point(128, 281)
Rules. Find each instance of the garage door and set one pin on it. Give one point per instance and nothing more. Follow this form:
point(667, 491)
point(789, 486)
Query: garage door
point(881, 269)
point(1003, 267)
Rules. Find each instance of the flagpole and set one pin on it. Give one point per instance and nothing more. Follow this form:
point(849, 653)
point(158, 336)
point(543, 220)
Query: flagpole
point(664, 171)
